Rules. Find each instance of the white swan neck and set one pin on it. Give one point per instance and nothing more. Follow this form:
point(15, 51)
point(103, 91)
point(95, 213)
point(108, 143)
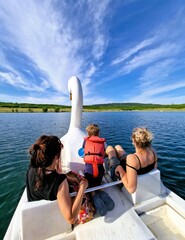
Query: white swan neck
point(75, 89)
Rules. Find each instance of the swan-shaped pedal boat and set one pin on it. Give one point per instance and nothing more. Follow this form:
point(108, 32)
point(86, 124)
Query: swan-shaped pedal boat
point(155, 213)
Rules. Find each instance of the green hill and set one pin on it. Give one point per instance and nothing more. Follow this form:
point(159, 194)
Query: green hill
point(29, 107)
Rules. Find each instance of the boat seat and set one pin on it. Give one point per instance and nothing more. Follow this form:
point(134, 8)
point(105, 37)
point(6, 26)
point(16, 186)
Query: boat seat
point(149, 185)
point(42, 219)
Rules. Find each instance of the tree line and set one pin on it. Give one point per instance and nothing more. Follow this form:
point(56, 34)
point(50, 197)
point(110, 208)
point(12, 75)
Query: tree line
point(134, 106)
point(95, 107)
point(30, 105)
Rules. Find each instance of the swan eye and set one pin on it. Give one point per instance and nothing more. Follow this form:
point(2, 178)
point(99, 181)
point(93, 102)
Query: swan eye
point(70, 96)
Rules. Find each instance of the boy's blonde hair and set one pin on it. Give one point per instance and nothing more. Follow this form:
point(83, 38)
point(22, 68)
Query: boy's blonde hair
point(92, 130)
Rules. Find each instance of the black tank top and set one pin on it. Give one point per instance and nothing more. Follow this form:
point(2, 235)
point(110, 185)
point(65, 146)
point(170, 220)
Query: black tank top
point(48, 191)
point(143, 170)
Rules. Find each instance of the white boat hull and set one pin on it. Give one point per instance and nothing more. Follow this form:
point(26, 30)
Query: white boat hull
point(143, 220)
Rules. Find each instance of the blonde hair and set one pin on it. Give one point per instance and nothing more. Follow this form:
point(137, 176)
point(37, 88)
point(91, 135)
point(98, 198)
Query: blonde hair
point(142, 137)
point(92, 130)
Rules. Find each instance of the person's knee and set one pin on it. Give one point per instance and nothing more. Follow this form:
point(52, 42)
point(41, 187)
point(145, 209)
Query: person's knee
point(119, 151)
point(109, 150)
point(118, 147)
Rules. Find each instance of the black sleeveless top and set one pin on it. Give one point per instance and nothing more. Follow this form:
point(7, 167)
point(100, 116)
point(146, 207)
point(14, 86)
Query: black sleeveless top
point(143, 170)
point(48, 191)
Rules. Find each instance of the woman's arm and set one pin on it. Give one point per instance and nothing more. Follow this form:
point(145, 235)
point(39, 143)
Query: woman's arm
point(70, 210)
point(156, 157)
point(129, 178)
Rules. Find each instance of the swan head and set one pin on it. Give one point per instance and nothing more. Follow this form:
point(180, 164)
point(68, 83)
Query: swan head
point(73, 80)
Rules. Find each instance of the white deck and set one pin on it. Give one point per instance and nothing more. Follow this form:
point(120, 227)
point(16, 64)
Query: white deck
point(154, 217)
point(120, 223)
point(165, 223)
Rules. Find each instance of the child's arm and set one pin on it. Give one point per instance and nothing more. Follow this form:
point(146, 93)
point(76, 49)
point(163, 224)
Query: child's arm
point(105, 146)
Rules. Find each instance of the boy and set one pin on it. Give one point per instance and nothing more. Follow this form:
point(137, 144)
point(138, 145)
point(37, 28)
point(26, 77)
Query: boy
point(94, 153)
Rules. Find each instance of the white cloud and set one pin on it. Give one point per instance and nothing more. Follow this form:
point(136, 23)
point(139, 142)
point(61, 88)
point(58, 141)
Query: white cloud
point(95, 99)
point(98, 10)
point(14, 79)
point(157, 72)
point(163, 89)
point(55, 99)
point(151, 94)
point(126, 54)
point(149, 56)
point(99, 47)
point(47, 35)
point(51, 99)
point(34, 30)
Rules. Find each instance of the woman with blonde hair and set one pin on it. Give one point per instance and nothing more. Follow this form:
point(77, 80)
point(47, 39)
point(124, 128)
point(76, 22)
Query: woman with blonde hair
point(127, 167)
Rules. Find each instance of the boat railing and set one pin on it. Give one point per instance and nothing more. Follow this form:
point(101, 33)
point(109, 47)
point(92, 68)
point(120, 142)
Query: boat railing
point(102, 186)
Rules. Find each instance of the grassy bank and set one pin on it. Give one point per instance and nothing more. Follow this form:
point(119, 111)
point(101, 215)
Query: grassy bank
point(34, 108)
point(40, 110)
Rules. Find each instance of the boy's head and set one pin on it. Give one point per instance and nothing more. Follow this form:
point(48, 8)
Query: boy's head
point(92, 130)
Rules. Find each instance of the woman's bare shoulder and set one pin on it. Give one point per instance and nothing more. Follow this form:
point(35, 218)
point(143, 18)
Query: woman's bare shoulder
point(64, 185)
point(153, 150)
point(155, 153)
point(131, 160)
point(131, 156)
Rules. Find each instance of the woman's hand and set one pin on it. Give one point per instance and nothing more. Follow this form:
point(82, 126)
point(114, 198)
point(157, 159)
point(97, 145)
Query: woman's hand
point(83, 184)
point(71, 179)
point(119, 171)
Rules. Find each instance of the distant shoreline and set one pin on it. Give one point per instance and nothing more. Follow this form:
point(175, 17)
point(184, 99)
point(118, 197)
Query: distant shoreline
point(9, 107)
point(50, 110)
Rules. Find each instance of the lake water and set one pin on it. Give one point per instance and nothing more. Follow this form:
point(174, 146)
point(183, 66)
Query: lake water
point(19, 130)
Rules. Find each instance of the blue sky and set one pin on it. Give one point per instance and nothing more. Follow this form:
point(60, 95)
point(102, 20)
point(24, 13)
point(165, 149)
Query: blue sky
point(121, 50)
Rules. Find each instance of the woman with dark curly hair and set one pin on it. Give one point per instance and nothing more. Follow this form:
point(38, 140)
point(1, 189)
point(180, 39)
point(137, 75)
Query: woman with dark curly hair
point(127, 167)
point(46, 181)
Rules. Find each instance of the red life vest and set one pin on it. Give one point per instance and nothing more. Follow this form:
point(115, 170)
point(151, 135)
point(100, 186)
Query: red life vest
point(94, 150)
